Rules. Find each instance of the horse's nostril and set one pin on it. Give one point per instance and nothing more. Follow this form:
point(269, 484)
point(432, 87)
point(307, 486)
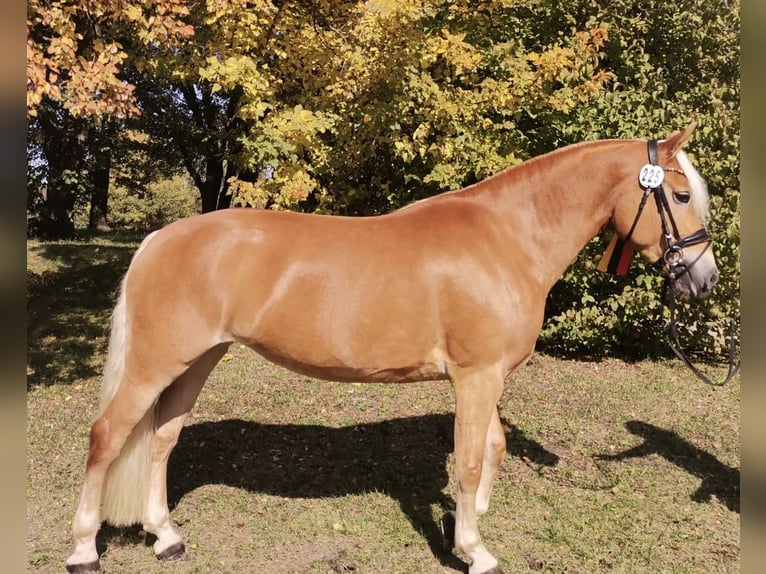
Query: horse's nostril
point(709, 283)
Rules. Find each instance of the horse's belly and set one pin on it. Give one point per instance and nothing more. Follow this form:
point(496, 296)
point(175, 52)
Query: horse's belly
point(339, 325)
point(358, 373)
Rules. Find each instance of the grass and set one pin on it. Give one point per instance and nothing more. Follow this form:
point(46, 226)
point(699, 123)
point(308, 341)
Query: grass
point(611, 467)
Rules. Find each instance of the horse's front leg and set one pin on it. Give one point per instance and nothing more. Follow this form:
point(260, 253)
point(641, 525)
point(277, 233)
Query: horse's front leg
point(477, 395)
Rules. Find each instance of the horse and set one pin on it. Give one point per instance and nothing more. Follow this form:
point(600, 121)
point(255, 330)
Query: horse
point(451, 287)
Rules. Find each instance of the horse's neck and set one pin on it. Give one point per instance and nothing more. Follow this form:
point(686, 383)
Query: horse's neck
point(555, 204)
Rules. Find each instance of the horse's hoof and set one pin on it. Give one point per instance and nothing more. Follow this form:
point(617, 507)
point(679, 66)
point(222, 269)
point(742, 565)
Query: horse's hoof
point(82, 568)
point(173, 552)
point(447, 529)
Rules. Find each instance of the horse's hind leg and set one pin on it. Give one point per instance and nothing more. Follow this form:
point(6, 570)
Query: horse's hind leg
point(175, 403)
point(130, 405)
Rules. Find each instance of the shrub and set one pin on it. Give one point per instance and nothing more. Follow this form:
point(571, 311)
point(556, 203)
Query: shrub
point(675, 63)
point(154, 206)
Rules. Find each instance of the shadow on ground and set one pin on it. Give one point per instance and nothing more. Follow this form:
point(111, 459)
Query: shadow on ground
point(68, 309)
point(718, 479)
point(403, 458)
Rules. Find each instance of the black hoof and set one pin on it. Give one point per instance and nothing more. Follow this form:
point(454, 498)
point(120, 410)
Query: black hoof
point(495, 570)
point(447, 528)
point(174, 552)
point(81, 568)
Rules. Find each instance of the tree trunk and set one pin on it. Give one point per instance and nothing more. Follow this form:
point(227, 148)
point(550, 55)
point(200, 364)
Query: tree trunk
point(208, 190)
point(213, 189)
point(54, 220)
point(62, 152)
point(102, 164)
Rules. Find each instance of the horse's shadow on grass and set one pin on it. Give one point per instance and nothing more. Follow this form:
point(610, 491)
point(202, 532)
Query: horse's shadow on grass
point(717, 478)
point(403, 458)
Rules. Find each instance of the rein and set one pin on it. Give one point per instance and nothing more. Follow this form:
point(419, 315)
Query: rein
point(651, 178)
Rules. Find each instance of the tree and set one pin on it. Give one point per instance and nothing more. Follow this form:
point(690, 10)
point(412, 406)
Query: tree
point(75, 93)
point(190, 125)
point(101, 142)
point(56, 142)
point(75, 51)
point(356, 107)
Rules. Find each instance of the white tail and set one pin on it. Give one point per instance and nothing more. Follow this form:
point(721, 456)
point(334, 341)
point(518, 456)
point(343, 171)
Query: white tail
point(126, 487)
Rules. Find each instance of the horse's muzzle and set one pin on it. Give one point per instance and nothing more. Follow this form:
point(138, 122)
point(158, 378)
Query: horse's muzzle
point(697, 281)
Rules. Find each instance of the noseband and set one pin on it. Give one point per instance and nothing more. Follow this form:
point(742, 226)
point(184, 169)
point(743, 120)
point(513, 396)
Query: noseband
point(650, 178)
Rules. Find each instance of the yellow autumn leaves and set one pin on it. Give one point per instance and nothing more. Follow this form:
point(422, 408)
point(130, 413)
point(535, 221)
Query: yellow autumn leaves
point(330, 91)
point(74, 57)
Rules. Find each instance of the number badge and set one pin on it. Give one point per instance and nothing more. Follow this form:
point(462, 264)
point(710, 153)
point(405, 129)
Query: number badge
point(651, 176)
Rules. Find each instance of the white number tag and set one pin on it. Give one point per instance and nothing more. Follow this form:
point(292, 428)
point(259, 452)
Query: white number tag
point(651, 176)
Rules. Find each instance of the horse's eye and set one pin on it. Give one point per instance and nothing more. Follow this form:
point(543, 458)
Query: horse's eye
point(681, 196)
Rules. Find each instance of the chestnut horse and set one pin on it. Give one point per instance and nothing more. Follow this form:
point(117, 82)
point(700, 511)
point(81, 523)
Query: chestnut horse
point(449, 288)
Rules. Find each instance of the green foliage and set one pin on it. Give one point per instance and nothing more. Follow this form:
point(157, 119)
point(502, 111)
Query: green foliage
point(674, 63)
point(154, 205)
point(359, 108)
point(44, 201)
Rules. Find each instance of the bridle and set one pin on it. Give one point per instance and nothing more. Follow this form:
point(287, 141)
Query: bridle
point(650, 178)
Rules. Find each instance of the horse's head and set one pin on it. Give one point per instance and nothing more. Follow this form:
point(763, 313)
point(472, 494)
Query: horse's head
point(662, 213)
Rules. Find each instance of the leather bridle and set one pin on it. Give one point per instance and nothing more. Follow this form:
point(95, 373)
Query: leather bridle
point(650, 179)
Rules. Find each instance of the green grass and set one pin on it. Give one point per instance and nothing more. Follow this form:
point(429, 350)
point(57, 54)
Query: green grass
point(611, 466)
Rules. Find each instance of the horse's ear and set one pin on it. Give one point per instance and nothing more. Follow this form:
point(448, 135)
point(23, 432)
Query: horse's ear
point(677, 140)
